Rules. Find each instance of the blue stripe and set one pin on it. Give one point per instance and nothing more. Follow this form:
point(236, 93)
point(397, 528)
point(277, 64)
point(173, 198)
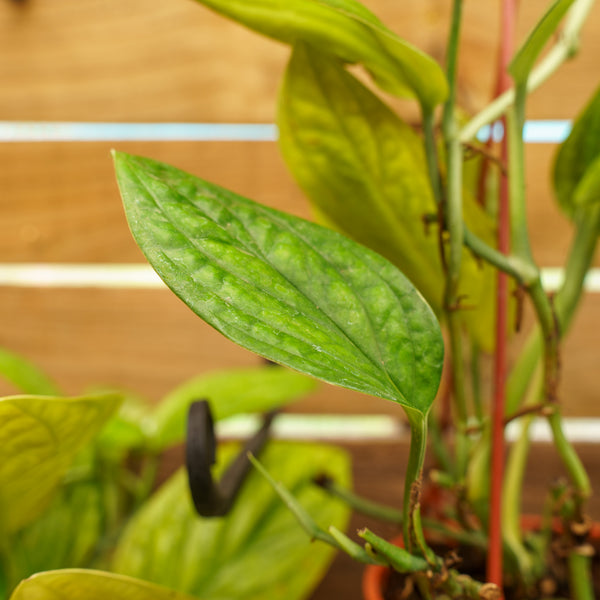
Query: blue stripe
point(534, 132)
point(31, 131)
point(537, 132)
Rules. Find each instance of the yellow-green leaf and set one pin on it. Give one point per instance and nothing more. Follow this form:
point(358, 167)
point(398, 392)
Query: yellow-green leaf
point(257, 551)
point(39, 438)
point(346, 29)
point(25, 375)
point(364, 170)
point(229, 393)
point(82, 584)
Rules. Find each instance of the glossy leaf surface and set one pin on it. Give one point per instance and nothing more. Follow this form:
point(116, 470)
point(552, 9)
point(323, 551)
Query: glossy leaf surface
point(577, 166)
point(364, 170)
point(346, 29)
point(231, 392)
point(25, 375)
point(39, 438)
point(292, 291)
point(79, 584)
point(257, 551)
point(524, 59)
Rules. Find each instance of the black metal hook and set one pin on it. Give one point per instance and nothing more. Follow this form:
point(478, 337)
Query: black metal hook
point(214, 499)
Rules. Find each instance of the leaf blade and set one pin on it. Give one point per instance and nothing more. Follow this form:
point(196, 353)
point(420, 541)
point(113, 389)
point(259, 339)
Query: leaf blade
point(257, 550)
point(365, 171)
point(525, 57)
point(290, 290)
point(39, 438)
point(74, 584)
point(577, 159)
point(230, 392)
point(344, 28)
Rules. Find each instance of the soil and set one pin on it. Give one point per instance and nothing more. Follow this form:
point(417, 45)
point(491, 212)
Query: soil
point(553, 585)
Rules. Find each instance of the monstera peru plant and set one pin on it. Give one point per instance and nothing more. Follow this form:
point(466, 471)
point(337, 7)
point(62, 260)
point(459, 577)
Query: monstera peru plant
point(360, 300)
point(423, 229)
point(84, 513)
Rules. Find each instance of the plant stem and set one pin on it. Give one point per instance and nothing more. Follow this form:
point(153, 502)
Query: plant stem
point(495, 558)
point(412, 483)
point(581, 255)
point(513, 481)
point(580, 575)
point(565, 48)
point(520, 270)
point(453, 221)
point(575, 468)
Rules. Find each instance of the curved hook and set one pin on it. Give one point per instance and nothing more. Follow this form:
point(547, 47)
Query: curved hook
point(212, 499)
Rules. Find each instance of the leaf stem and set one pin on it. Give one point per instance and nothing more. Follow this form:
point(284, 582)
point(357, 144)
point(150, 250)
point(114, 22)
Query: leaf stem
point(580, 575)
point(453, 220)
point(564, 49)
point(413, 480)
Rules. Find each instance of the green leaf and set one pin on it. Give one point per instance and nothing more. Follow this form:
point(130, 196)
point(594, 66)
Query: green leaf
point(525, 57)
point(231, 392)
point(257, 551)
point(26, 376)
point(39, 438)
point(577, 163)
point(292, 291)
point(78, 584)
point(346, 29)
point(130, 428)
point(65, 535)
point(364, 170)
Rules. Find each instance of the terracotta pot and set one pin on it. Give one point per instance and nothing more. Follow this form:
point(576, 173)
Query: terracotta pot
point(375, 577)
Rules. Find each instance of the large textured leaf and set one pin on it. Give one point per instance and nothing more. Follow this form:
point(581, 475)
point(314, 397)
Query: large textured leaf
point(524, 59)
point(230, 392)
point(257, 551)
point(292, 291)
point(364, 169)
point(39, 438)
point(26, 376)
point(344, 28)
point(80, 584)
point(577, 164)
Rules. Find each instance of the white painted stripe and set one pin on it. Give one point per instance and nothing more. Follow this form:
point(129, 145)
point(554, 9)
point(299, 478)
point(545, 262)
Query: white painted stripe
point(141, 276)
point(123, 276)
point(383, 428)
point(548, 131)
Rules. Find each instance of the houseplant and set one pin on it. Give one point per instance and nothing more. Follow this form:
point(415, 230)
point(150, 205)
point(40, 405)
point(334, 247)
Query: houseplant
point(84, 513)
point(309, 298)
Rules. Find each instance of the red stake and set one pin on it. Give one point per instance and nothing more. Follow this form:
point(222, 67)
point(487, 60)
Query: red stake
point(494, 561)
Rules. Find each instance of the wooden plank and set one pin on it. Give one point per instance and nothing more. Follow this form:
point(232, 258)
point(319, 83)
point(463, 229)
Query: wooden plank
point(150, 342)
point(60, 202)
point(147, 341)
point(150, 60)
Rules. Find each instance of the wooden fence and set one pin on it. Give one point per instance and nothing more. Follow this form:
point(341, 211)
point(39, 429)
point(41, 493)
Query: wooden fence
point(157, 61)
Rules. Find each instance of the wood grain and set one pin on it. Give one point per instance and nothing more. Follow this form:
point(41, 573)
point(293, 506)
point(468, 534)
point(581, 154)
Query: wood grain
point(60, 202)
point(176, 61)
point(149, 341)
